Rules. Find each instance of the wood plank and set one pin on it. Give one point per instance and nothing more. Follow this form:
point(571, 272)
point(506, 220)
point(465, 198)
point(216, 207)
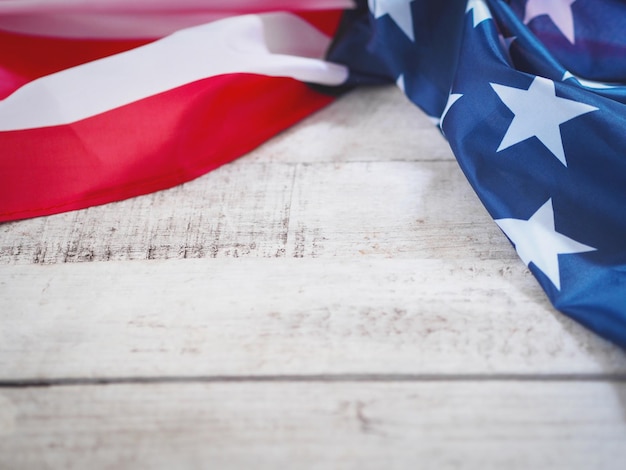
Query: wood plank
point(438, 425)
point(391, 210)
point(239, 210)
point(371, 209)
point(251, 316)
point(367, 124)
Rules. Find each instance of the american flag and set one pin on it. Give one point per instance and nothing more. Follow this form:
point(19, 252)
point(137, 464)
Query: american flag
point(102, 101)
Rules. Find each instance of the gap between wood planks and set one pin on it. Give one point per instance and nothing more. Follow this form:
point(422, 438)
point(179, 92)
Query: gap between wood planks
point(319, 378)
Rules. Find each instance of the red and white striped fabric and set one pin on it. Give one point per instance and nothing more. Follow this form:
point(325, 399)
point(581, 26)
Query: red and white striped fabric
point(106, 99)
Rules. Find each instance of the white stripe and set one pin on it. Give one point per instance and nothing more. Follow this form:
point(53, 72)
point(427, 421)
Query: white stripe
point(276, 44)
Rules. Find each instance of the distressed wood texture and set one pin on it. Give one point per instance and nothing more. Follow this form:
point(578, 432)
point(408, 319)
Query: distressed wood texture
point(438, 425)
point(287, 316)
point(398, 170)
point(369, 124)
point(377, 209)
point(350, 305)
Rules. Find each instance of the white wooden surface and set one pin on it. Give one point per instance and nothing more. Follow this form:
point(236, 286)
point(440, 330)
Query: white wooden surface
point(349, 304)
point(365, 425)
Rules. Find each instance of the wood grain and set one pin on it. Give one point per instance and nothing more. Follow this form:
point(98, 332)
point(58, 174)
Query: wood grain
point(240, 210)
point(251, 316)
point(377, 209)
point(308, 425)
point(367, 124)
point(243, 209)
point(336, 299)
point(391, 210)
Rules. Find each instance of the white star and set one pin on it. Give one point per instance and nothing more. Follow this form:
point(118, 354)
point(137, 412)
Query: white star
point(538, 113)
point(452, 98)
point(560, 11)
point(398, 10)
point(536, 241)
point(480, 11)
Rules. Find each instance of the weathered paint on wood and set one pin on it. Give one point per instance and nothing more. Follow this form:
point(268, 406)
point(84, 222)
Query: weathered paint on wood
point(391, 210)
point(244, 209)
point(351, 305)
point(286, 316)
point(309, 425)
point(372, 209)
point(368, 124)
point(239, 210)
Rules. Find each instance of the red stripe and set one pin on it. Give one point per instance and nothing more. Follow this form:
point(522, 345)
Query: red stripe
point(146, 146)
point(327, 21)
point(24, 58)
